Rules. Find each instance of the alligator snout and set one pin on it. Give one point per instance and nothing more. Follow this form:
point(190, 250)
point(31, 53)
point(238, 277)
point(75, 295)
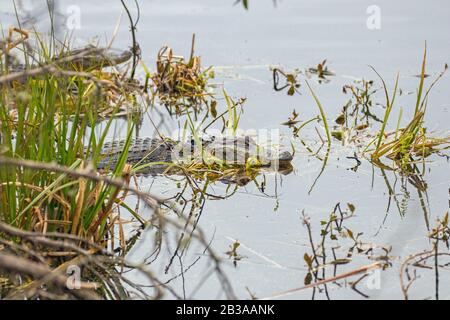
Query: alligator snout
point(285, 156)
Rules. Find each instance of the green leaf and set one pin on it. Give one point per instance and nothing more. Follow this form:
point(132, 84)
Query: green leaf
point(308, 278)
point(308, 260)
point(291, 91)
point(445, 220)
point(351, 207)
point(290, 78)
point(213, 108)
point(337, 135)
point(350, 234)
point(341, 261)
point(341, 119)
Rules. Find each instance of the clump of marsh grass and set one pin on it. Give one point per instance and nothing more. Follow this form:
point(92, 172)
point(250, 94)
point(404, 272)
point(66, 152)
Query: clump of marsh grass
point(412, 144)
point(48, 149)
point(43, 120)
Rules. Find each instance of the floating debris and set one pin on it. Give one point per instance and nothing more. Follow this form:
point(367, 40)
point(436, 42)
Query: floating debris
point(182, 84)
point(290, 78)
point(321, 71)
point(233, 254)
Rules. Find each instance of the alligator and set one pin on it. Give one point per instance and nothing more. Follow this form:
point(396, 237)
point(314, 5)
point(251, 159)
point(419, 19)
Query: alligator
point(87, 58)
point(218, 152)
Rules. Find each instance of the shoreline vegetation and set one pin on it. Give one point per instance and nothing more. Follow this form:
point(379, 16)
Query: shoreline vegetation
point(66, 229)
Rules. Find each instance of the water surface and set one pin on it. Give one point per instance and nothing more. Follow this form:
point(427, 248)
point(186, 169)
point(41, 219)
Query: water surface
point(242, 45)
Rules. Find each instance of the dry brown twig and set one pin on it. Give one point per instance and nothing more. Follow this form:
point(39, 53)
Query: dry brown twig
point(363, 269)
point(92, 259)
point(404, 266)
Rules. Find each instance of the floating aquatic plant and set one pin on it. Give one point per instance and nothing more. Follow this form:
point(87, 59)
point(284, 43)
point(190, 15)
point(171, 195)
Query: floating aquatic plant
point(181, 83)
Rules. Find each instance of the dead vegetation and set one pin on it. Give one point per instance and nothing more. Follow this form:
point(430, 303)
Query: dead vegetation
point(182, 84)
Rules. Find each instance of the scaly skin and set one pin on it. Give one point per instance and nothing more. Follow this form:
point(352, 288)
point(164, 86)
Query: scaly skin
point(150, 150)
point(86, 59)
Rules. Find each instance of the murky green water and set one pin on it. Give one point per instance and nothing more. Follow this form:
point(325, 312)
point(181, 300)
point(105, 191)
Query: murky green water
point(298, 34)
